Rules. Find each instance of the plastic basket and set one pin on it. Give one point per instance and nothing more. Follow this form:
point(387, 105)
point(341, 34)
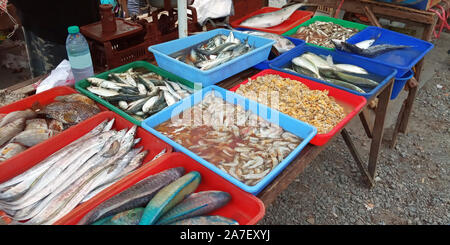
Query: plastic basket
point(218, 73)
point(402, 59)
point(243, 207)
point(382, 71)
point(344, 23)
point(352, 101)
point(25, 161)
point(301, 129)
point(83, 84)
point(297, 18)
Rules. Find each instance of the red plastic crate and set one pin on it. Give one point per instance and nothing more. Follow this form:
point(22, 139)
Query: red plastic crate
point(353, 101)
point(35, 155)
point(17, 164)
point(297, 18)
point(243, 207)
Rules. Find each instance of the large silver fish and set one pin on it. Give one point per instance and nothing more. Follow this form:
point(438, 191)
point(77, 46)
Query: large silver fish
point(282, 44)
point(272, 18)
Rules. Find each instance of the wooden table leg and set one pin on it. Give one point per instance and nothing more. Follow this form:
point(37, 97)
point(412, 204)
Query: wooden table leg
point(413, 87)
point(378, 129)
point(359, 162)
point(364, 116)
point(397, 125)
point(377, 137)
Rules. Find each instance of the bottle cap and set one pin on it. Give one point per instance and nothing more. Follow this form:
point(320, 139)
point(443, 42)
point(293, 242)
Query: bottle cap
point(73, 29)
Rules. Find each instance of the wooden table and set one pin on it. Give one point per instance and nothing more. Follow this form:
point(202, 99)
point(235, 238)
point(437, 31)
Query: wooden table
point(373, 9)
point(310, 152)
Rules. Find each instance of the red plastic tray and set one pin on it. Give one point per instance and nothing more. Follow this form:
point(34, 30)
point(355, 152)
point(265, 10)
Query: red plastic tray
point(297, 18)
point(17, 164)
point(243, 207)
point(352, 101)
point(35, 155)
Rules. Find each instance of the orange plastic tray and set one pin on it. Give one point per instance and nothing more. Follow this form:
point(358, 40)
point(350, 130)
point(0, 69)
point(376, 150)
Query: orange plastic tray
point(352, 101)
point(297, 18)
point(35, 155)
point(243, 207)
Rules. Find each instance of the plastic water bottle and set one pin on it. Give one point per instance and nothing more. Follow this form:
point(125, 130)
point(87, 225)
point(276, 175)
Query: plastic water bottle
point(79, 55)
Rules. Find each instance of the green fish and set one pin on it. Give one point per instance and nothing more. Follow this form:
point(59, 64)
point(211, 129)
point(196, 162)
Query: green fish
point(170, 196)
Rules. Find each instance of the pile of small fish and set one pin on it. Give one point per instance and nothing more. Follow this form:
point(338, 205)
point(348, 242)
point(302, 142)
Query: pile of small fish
point(366, 47)
point(72, 175)
point(214, 52)
point(346, 75)
point(165, 198)
point(295, 99)
point(321, 33)
point(20, 130)
point(139, 94)
point(237, 141)
point(282, 44)
point(272, 18)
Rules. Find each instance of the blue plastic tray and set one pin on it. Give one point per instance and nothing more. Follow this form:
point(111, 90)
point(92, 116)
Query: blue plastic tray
point(386, 72)
point(301, 129)
point(399, 83)
point(216, 74)
point(403, 59)
point(265, 64)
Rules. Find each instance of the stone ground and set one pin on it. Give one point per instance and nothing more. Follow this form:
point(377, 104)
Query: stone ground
point(413, 179)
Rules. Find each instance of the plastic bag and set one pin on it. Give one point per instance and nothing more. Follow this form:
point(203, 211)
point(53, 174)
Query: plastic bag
point(212, 9)
point(60, 76)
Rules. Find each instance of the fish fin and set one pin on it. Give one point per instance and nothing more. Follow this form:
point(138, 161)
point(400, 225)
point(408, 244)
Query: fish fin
point(330, 61)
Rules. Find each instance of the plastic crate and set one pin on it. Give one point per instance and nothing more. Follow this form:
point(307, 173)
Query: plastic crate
point(243, 207)
point(344, 23)
point(265, 64)
point(355, 102)
point(403, 59)
point(17, 163)
point(301, 129)
point(25, 161)
point(218, 73)
point(380, 70)
point(297, 18)
point(83, 84)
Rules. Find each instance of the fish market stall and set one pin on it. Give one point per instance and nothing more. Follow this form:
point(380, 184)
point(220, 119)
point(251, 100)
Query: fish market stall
point(150, 160)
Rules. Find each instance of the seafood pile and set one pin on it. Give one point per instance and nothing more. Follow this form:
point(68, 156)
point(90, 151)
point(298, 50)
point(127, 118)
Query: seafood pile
point(20, 130)
point(72, 175)
point(165, 198)
point(346, 75)
point(213, 52)
point(296, 100)
point(321, 33)
point(138, 94)
point(237, 141)
point(366, 47)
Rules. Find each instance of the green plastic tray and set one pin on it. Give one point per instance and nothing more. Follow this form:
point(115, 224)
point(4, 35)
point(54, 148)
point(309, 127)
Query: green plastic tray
point(83, 84)
point(344, 23)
